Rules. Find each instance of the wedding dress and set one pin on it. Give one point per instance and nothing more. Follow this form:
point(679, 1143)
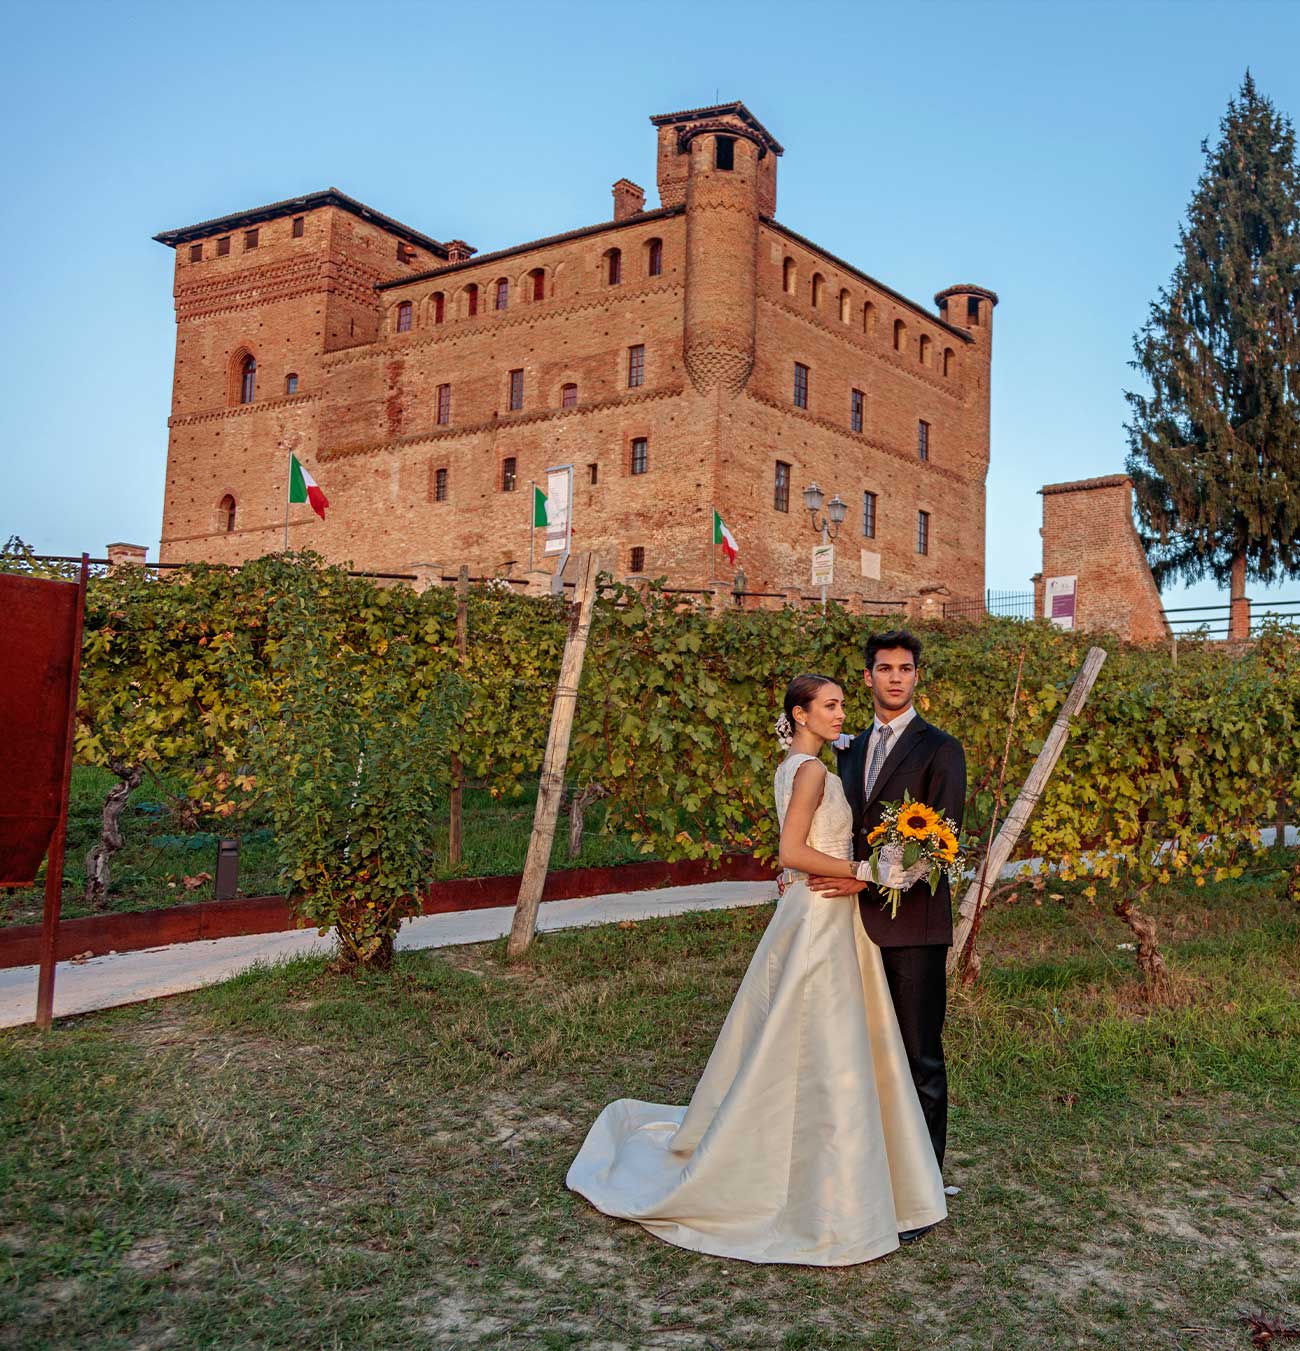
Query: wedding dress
point(804, 1140)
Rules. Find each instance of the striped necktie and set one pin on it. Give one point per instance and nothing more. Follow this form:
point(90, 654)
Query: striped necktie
point(878, 758)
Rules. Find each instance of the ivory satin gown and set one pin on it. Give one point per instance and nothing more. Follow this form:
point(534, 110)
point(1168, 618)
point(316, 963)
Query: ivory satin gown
point(804, 1140)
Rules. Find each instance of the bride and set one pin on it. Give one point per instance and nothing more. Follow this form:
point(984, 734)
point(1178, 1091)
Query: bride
point(804, 1140)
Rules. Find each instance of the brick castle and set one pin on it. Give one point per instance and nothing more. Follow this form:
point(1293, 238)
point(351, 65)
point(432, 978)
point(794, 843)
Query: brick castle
point(694, 355)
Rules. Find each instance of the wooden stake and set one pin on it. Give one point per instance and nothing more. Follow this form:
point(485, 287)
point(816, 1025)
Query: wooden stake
point(550, 790)
point(1020, 813)
point(462, 642)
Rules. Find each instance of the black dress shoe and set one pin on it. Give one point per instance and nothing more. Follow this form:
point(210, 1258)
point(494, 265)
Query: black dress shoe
point(911, 1235)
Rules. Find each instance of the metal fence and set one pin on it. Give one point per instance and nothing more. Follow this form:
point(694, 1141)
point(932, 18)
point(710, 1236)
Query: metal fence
point(1211, 621)
point(1000, 604)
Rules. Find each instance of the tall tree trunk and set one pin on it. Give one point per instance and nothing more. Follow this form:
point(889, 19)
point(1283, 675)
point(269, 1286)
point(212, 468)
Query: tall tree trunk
point(98, 860)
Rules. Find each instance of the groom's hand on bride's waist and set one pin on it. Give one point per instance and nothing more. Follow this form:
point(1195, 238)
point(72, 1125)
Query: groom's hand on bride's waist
point(836, 886)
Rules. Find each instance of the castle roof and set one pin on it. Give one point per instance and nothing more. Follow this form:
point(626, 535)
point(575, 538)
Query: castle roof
point(721, 110)
point(293, 206)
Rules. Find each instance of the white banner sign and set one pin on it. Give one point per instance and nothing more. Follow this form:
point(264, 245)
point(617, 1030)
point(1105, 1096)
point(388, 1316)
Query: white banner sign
point(1058, 600)
point(558, 516)
point(823, 564)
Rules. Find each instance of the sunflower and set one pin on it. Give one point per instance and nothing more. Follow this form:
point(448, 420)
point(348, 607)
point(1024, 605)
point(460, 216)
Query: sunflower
point(876, 833)
point(945, 838)
point(916, 820)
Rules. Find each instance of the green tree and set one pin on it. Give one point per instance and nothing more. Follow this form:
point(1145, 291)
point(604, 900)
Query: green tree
point(1215, 446)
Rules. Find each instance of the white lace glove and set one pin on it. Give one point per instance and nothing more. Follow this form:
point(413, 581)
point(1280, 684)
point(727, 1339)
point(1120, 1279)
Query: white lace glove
point(892, 872)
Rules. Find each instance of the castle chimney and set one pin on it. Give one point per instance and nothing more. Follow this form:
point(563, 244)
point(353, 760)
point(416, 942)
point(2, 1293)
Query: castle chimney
point(459, 252)
point(628, 199)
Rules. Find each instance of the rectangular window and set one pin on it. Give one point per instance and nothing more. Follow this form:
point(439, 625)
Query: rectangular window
point(444, 405)
point(638, 559)
point(404, 312)
point(856, 404)
point(508, 474)
point(250, 239)
point(973, 309)
point(593, 472)
point(299, 225)
point(196, 253)
point(516, 390)
point(635, 366)
point(868, 515)
point(440, 486)
point(291, 384)
point(724, 153)
point(569, 396)
point(640, 455)
point(503, 294)
point(923, 532)
point(922, 440)
point(800, 385)
point(781, 495)
point(223, 247)
point(656, 266)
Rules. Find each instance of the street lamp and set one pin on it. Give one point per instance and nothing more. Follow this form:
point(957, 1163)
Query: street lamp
point(829, 525)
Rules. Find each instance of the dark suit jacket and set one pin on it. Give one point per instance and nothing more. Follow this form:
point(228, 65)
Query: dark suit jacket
point(930, 766)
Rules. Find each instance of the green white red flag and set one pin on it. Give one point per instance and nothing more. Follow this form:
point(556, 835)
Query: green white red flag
point(540, 517)
point(304, 488)
point(723, 536)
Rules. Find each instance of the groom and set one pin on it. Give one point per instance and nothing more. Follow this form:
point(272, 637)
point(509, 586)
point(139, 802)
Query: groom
point(901, 752)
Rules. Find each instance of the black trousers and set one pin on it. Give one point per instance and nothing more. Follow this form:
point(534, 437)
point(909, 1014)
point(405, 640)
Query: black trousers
point(918, 982)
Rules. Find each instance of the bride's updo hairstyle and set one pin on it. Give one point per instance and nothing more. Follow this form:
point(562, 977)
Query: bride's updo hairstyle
point(802, 690)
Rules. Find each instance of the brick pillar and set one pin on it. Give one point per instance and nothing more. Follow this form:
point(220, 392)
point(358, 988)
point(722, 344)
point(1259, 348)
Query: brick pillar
point(1036, 581)
point(126, 555)
point(629, 199)
point(1239, 620)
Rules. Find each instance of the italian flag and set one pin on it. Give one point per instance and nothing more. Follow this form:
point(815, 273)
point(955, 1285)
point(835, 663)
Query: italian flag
point(304, 488)
point(539, 508)
point(723, 536)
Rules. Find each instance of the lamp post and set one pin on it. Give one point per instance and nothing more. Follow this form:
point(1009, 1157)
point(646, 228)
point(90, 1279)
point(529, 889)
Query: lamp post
point(829, 525)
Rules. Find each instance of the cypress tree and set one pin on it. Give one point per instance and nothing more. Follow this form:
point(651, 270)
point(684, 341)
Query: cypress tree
point(1214, 449)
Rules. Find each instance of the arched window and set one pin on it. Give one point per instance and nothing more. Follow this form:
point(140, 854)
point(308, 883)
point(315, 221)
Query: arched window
point(538, 278)
point(844, 307)
point(654, 258)
point(568, 396)
point(226, 514)
point(502, 299)
point(818, 286)
point(247, 380)
point(404, 317)
point(471, 300)
point(900, 335)
point(788, 276)
point(439, 307)
point(924, 348)
point(614, 267)
point(868, 318)
point(291, 383)
point(949, 361)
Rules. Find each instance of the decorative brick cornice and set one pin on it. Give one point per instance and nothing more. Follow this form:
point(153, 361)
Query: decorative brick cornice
point(244, 409)
point(1084, 485)
point(247, 289)
point(927, 467)
point(497, 425)
point(716, 111)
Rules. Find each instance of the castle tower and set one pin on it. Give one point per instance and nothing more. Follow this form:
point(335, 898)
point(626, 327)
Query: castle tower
point(721, 162)
point(971, 308)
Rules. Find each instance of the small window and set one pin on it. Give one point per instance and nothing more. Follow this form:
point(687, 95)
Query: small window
point(868, 318)
point(949, 361)
point(223, 247)
point(640, 455)
point(900, 335)
point(508, 474)
point(868, 515)
point(226, 514)
point(800, 385)
point(857, 401)
point(538, 277)
point(925, 346)
point(196, 253)
point(439, 307)
point(516, 390)
point(502, 294)
point(291, 383)
point(781, 494)
point(404, 316)
point(444, 405)
point(655, 258)
point(818, 290)
point(569, 396)
point(299, 226)
point(636, 366)
point(724, 152)
point(471, 300)
point(614, 267)
point(846, 306)
point(923, 532)
point(972, 309)
point(440, 485)
point(247, 380)
point(788, 276)
point(922, 440)
point(593, 473)
point(250, 239)
point(637, 561)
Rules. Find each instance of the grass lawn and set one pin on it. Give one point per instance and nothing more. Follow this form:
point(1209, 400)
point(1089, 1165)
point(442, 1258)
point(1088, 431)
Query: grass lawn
point(151, 869)
point(295, 1160)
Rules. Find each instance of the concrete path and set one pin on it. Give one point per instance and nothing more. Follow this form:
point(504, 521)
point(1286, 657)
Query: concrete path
point(128, 977)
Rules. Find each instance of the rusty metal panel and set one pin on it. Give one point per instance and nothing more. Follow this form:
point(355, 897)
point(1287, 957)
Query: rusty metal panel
point(38, 630)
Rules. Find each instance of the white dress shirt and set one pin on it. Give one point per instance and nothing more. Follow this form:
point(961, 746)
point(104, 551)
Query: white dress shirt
point(896, 729)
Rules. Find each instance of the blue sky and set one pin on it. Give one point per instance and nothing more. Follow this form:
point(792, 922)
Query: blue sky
point(1046, 150)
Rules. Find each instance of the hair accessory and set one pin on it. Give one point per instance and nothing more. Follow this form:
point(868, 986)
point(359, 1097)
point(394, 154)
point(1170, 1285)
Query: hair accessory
point(784, 732)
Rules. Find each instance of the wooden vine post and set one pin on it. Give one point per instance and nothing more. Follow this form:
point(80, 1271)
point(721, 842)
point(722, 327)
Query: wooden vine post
point(462, 640)
point(1000, 851)
point(550, 790)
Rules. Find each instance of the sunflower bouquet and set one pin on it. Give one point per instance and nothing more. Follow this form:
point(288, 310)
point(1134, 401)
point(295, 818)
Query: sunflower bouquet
point(911, 843)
